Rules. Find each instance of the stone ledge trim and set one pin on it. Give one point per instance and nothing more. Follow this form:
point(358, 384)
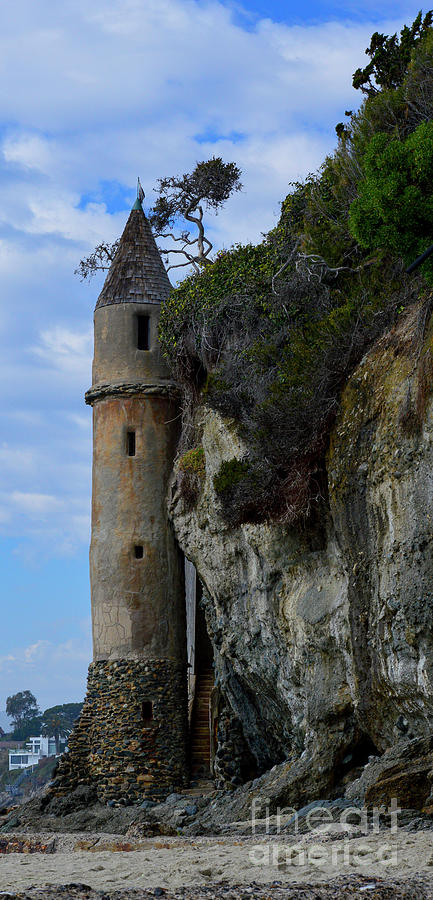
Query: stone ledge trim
point(137, 297)
point(129, 389)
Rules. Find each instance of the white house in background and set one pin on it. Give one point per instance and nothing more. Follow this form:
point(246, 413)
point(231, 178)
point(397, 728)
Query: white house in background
point(43, 746)
point(22, 759)
point(36, 748)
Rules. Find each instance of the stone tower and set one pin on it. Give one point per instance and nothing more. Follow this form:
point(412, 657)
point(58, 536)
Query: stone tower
point(130, 740)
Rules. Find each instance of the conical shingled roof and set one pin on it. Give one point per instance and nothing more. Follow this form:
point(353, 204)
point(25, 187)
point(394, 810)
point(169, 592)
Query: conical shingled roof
point(137, 273)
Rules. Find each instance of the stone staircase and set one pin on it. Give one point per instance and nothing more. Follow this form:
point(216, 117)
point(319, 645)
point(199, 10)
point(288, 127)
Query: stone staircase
point(200, 725)
point(200, 787)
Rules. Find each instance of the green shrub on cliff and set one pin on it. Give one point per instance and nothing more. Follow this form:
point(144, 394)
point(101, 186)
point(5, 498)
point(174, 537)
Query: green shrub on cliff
point(193, 461)
point(394, 207)
point(275, 360)
point(231, 472)
point(269, 334)
point(192, 470)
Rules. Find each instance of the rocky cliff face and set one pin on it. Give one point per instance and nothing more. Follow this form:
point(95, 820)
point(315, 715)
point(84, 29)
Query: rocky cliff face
point(323, 633)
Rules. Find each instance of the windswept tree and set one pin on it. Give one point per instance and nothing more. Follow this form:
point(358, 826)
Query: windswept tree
point(181, 203)
point(186, 198)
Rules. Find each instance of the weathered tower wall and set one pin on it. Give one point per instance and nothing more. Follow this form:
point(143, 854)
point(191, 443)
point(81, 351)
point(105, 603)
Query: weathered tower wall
point(135, 570)
point(136, 577)
point(131, 738)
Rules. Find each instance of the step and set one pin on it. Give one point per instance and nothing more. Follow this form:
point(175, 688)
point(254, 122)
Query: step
point(200, 727)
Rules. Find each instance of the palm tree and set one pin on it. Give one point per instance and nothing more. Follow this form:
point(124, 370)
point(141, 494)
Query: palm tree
point(55, 724)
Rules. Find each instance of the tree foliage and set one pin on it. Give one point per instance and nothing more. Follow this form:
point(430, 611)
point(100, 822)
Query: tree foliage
point(57, 721)
point(68, 711)
point(211, 183)
point(208, 186)
point(390, 57)
point(27, 728)
point(394, 207)
point(55, 724)
point(22, 707)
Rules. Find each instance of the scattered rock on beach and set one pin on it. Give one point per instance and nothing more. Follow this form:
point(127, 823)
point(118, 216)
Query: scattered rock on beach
point(341, 888)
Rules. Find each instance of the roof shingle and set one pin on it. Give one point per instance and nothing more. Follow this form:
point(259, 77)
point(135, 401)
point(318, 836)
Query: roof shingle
point(137, 273)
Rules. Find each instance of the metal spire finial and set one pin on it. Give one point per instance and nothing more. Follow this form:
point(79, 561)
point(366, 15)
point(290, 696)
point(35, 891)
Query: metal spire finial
point(140, 196)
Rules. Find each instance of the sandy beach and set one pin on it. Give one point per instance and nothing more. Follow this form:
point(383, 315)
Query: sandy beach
point(111, 862)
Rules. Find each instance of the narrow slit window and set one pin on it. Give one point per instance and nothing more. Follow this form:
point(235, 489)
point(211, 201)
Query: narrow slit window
point(130, 443)
point(138, 551)
point(147, 711)
point(143, 333)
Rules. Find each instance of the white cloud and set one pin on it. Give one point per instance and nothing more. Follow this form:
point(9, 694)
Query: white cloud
point(166, 70)
point(36, 652)
point(35, 505)
point(55, 672)
point(66, 351)
point(82, 421)
point(8, 657)
point(55, 519)
point(30, 418)
point(13, 459)
point(29, 151)
point(50, 526)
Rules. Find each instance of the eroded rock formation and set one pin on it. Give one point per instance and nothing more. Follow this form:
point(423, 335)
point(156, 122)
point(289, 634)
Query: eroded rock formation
point(323, 632)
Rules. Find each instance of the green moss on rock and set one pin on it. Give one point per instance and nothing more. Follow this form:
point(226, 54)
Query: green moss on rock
point(231, 473)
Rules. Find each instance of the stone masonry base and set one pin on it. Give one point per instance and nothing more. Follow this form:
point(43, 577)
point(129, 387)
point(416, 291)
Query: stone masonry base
point(130, 741)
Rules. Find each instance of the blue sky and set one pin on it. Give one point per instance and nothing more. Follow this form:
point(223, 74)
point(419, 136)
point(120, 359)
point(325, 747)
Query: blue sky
point(92, 96)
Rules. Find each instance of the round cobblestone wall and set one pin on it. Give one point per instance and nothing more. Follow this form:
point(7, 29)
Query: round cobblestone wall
point(131, 738)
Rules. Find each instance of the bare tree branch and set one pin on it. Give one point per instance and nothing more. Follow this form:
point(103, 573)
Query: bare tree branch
point(98, 261)
point(285, 265)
